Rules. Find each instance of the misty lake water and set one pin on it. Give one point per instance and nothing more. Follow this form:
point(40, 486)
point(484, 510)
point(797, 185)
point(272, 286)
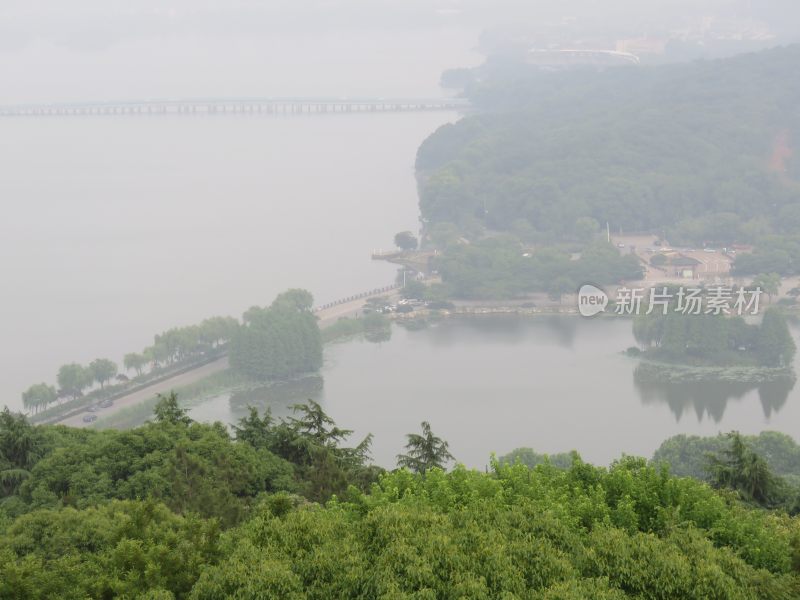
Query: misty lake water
point(492, 384)
point(117, 228)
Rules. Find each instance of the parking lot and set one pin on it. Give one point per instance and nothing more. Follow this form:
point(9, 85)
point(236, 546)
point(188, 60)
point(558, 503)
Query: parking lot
point(712, 263)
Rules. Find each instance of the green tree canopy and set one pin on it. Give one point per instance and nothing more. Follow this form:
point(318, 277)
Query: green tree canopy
point(103, 370)
point(774, 342)
point(425, 451)
point(741, 469)
point(21, 446)
point(563, 152)
point(405, 240)
point(135, 361)
point(73, 379)
point(171, 510)
point(280, 341)
point(769, 283)
point(38, 396)
point(167, 410)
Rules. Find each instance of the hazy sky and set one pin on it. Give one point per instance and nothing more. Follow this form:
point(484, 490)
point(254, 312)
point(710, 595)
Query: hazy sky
point(52, 50)
point(110, 49)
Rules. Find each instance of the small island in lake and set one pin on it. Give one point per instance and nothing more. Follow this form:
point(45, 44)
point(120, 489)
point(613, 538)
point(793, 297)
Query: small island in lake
point(705, 347)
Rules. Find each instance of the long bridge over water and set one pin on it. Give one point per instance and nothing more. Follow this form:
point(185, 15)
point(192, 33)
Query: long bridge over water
point(242, 106)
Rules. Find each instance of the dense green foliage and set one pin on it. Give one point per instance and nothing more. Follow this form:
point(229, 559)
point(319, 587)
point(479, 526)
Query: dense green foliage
point(775, 253)
point(764, 470)
point(405, 240)
point(312, 443)
point(741, 464)
point(709, 339)
point(530, 458)
point(688, 148)
point(584, 533)
point(280, 341)
point(774, 342)
point(500, 267)
point(176, 509)
point(425, 451)
point(699, 153)
point(190, 467)
point(630, 531)
point(181, 344)
point(739, 468)
point(73, 379)
point(687, 455)
point(102, 370)
point(38, 397)
point(121, 549)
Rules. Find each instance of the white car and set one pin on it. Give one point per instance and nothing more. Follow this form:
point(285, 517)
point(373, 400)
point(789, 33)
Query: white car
point(709, 250)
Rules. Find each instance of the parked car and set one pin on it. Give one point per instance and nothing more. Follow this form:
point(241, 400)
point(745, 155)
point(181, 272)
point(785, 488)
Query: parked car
point(709, 250)
point(106, 403)
point(89, 418)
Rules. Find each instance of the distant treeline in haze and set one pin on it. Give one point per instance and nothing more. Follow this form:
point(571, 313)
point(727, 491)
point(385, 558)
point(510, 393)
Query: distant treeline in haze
point(699, 153)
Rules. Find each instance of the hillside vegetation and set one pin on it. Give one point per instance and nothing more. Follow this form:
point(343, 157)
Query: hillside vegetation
point(687, 455)
point(699, 151)
point(284, 509)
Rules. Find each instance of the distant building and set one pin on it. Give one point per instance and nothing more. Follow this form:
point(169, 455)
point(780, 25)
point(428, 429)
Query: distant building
point(685, 267)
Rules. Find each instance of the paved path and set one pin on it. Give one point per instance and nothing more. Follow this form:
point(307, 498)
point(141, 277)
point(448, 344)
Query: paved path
point(162, 387)
point(329, 316)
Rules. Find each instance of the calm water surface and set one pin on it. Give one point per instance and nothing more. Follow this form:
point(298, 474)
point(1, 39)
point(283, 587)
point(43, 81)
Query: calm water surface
point(494, 384)
point(117, 228)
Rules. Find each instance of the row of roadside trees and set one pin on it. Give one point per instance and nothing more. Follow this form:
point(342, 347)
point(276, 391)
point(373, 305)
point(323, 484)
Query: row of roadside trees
point(174, 347)
point(182, 344)
point(276, 342)
point(72, 379)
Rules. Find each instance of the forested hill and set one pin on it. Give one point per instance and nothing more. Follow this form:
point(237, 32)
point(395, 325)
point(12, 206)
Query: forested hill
point(700, 149)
